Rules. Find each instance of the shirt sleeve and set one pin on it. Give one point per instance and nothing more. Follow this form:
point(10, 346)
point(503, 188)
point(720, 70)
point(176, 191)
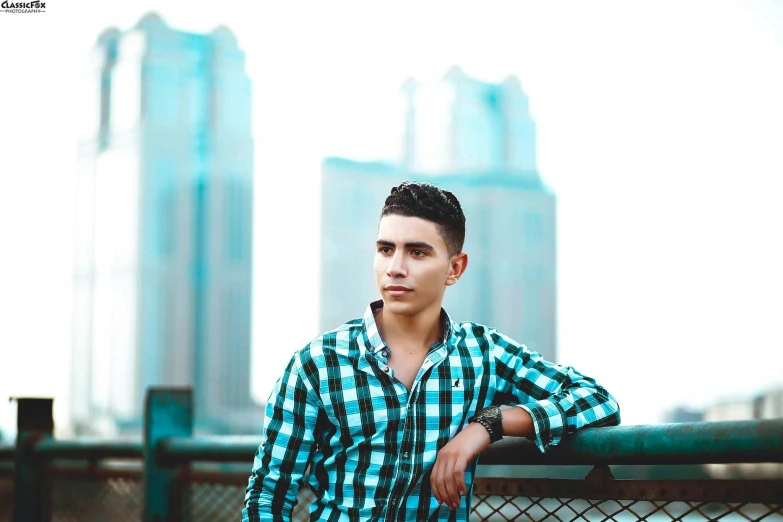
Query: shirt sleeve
point(558, 398)
point(287, 443)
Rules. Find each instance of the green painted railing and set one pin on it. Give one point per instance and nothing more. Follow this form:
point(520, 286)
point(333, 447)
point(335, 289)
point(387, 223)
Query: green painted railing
point(691, 443)
point(168, 447)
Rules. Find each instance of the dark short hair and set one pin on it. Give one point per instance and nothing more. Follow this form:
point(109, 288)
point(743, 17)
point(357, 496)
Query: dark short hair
point(427, 201)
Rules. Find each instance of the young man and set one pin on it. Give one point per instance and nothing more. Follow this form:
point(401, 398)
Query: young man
point(389, 412)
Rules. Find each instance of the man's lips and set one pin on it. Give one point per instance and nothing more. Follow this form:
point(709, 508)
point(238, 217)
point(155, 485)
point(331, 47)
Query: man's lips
point(398, 290)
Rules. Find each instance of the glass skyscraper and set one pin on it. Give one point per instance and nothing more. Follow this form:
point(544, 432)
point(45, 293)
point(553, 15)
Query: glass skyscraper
point(164, 229)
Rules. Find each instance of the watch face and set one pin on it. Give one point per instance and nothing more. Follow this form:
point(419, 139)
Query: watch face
point(491, 413)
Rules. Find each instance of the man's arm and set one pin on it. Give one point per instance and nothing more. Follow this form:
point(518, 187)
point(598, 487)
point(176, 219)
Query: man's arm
point(559, 399)
point(553, 401)
point(288, 442)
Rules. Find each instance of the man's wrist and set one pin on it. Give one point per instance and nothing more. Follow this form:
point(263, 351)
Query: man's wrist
point(491, 419)
point(487, 427)
point(480, 432)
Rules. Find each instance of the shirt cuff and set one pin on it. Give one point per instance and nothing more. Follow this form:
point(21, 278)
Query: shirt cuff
point(549, 422)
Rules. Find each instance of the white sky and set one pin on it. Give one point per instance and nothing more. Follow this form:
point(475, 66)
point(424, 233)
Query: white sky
point(659, 126)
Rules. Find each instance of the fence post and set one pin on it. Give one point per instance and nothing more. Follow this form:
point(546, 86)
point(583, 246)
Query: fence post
point(168, 412)
point(34, 422)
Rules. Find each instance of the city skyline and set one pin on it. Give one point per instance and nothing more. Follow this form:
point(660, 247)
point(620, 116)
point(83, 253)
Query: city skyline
point(663, 152)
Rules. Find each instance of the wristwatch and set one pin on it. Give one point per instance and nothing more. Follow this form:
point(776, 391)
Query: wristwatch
point(492, 419)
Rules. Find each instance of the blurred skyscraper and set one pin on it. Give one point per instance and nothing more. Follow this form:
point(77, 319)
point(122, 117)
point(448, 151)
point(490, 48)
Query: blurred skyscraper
point(163, 254)
point(477, 140)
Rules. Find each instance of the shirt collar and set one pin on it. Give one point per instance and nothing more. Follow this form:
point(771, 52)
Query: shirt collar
point(374, 342)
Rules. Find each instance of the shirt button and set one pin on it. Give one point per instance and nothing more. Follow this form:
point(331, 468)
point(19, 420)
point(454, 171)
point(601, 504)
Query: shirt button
point(393, 502)
point(386, 369)
point(405, 455)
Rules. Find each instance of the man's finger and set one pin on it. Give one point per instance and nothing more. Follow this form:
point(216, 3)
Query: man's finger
point(441, 481)
point(459, 471)
point(453, 484)
point(434, 482)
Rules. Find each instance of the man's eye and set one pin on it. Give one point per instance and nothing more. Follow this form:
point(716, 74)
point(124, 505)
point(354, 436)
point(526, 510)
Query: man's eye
point(384, 250)
point(418, 253)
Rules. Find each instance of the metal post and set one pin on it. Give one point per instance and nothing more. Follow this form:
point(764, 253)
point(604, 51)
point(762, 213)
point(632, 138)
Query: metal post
point(168, 412)
point(34, 422)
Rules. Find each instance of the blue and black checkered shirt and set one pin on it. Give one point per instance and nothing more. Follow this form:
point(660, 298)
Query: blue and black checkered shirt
point(370, 443)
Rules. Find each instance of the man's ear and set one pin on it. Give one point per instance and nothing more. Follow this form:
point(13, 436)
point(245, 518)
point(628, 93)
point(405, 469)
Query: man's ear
point(457, 267)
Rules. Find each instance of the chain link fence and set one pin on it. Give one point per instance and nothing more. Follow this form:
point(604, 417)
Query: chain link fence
point(102, 494)
point(502, 508)
point(95, 494)
point(601, 498)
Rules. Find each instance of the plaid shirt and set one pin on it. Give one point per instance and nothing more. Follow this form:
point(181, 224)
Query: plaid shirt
point(371, 443)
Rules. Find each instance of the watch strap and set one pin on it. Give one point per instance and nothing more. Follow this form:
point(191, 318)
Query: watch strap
point(494, 436)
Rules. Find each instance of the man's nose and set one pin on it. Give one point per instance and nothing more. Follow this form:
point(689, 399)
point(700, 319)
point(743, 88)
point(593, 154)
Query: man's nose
point(397, 265)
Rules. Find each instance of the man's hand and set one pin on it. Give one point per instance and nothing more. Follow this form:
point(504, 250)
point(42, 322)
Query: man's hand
point(448, 474)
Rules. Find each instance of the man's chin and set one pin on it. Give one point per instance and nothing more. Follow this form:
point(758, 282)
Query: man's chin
point(398, 307)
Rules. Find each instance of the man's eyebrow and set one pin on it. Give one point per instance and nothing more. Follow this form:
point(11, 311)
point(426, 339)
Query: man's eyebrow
point(412, 244)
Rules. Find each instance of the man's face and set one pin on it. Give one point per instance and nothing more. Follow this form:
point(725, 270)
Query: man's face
point(412, 264)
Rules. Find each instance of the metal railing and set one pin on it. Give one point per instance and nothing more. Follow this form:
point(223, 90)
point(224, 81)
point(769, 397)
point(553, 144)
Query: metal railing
point(170, 475)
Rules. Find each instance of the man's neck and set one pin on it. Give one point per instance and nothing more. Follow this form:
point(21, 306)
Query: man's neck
point(420, 331)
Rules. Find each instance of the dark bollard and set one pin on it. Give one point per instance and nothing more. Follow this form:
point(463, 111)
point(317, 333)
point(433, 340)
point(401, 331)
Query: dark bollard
point(34, 422)
point(168, 412)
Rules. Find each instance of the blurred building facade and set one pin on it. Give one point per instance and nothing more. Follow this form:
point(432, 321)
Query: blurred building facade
point(681, 414)
point(164, 240)
point(477, 140)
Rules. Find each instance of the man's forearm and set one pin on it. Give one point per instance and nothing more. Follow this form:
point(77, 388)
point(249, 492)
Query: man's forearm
point(517, 423)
